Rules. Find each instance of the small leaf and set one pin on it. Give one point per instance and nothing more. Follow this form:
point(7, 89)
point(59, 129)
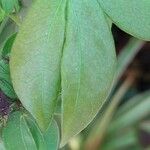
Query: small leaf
point(22, 132)
point(7, 29)
point(133, 16)
point(16, 134)
point(26, 135)
point(36, 132)
point(5, 81)
point(8, 45)
point(48, 139)
point(88, 66)
point(36, 57)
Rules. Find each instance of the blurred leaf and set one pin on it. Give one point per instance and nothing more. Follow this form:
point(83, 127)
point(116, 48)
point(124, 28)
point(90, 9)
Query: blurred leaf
point(88, 66)
point(9, 5)
point(131, 104)
point(27, 3)
point(127, 55)
point(36, 58)
point(1, 52)
point(2, 145)
point(121, 141)
point(16, 19)
point(25, 7)
point(132, 112)
point(5, 80)
point(2, 24)
point(132, 16)
point(145, 126)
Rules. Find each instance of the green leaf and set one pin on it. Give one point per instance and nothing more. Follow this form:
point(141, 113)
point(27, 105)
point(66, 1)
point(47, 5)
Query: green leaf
point(127, 55)
point(9, 5)
point(51, 136)
point(48, 139)
point(133, 16)
point(5, 80)
point(132, 112)
point(8, 45)
point(36, 57)
point(7, 29)
point(27, 137)
point(123, 140)
point(22, 132)
point(88, 66)
point(16, 134)
point(36, 132)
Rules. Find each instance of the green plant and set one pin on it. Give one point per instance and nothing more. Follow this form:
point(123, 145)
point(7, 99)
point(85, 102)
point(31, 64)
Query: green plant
point(62, 65)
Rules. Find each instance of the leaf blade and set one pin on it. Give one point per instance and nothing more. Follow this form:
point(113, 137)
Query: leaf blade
point(86, 52)
point(39, 47)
